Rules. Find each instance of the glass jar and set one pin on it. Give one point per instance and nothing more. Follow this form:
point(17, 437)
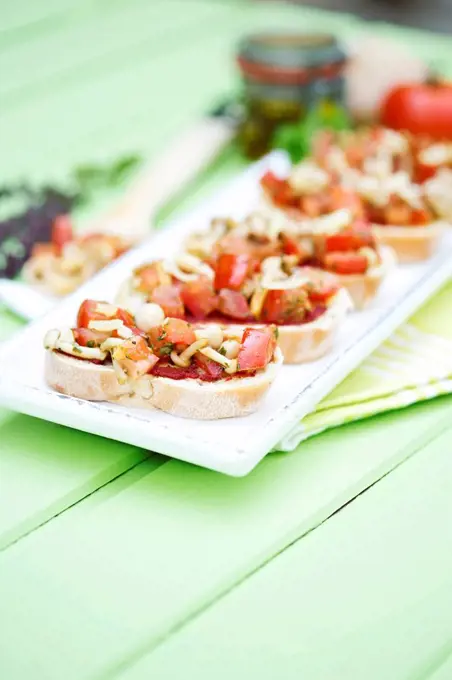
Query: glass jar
point(284, 76)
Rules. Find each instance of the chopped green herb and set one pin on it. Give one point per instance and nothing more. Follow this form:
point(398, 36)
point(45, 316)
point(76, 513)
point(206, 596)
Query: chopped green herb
point(162, 336)
point(167, 349)
point(222, 351)
point(91, 344)
point(77, 349)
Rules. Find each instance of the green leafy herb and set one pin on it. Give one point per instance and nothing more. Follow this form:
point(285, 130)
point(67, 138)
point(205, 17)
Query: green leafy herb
point(222, 351)
point(91, 344)
point(167, 349)
point(77, 349)
point(296, 138)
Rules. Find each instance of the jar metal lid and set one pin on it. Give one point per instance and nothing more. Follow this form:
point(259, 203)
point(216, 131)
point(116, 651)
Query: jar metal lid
point(292, 50)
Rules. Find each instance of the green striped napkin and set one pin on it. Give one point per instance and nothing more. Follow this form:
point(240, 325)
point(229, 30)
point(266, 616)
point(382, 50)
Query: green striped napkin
point(415, 364)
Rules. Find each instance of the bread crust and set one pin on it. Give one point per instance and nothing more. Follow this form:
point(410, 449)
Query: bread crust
point(183, 398)
point(307, 342)
point(411, 244)
point(362, 288)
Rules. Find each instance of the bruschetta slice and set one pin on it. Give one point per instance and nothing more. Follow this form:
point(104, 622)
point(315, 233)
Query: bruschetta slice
point(205, 374)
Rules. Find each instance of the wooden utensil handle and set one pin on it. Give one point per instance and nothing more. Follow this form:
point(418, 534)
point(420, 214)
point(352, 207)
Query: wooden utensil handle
point(164, 176)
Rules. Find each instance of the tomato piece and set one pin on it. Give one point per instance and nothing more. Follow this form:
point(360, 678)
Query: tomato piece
point(398, 213)
point(43, 249)
point(169, 299)
point(233, 304)
point(89, 312)
point(271, 182)
point(137, 349)
point(312, 205)
point(62, 232)
point(199, 297)
point(164, 369)
point(421, 217)
point(89, 338)
point(256, 351)
point(340, 198)
point(349, 239)
point(208, 370)
point(150, 276)
point(163, 339)
point(346, 263)
point(424, 172)
point(285, 306)
point(231, 271)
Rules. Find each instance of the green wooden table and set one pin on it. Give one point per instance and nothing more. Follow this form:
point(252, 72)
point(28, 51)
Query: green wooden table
point(119, 564)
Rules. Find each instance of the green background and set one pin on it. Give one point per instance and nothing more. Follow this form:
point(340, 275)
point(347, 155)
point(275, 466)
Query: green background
point(116, 564)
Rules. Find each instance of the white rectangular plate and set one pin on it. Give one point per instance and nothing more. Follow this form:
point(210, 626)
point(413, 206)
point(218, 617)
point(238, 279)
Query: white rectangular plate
point(233, 446)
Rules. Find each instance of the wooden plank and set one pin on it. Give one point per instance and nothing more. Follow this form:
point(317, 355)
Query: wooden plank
point(117, 576)
point(45, 468)
point(367, 595)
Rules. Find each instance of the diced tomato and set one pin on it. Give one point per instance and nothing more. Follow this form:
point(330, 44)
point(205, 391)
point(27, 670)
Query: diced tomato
point(285, 306)
point(62, 231)
point(398, 214)
point(89, 338)
point(164, 369)
point(44, 249)
point(256, 351)
point(421, 217)
point(290, 245)
point(231, 271)
point(137, 349)
point(150, 276)
point(312, 205)
point(346, 263)
point(271, 183)
point(207, 369)
point(323, 288)
point(163, 339)
point(339, 198)
point(89, 312)
point(199, 297)
point(349, 239)
point(233, 304)
point(424, 172)
point(169, 299)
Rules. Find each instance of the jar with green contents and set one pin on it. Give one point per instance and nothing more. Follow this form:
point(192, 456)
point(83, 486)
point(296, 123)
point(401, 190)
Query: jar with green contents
point(284, 77)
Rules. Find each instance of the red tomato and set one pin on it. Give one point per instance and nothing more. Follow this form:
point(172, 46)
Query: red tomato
point(233, 304)
point(421, 217)
point(169, 299)
point(150, 276)
point(207, 369)
point(137, 349)
point(62, 231)
point(231, 271)
point(345, 198)
point(420, 108)
point(44, 249)
point(313, 205)
point(346, 263)
point(424, 172)
point(284, 306)
point(173, 332)
point(88, 312)
point(349, 239)
point(290, 245)
point(88, 338)
point(258, 346)
point(199, 297)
